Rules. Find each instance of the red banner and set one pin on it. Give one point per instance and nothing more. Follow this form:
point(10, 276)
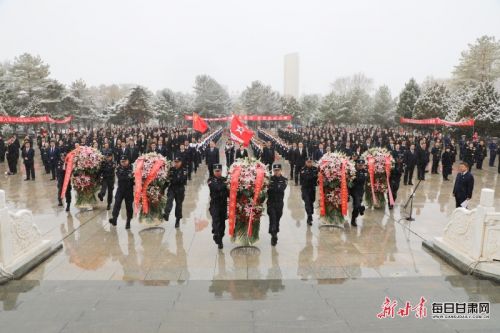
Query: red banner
point(233, 191)
point(246, 118)
point(144, 187)
point(371, 174)
point(34, 120)
point(69, 169)
point(388, 165)
point(322, 209)
point(437, 121)
point(343, 188)
point(138, 183)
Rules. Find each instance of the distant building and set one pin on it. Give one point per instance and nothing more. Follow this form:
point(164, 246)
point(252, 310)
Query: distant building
point(291, 75)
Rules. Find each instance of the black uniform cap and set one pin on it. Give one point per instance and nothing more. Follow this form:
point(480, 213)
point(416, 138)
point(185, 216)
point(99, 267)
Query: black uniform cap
point(124, 158)
point(217, 166)
point(360, 161)
point(177, 159)
point(108, 153)
point(276, 166)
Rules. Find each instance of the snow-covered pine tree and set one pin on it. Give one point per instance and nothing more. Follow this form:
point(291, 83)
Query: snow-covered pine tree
point(433, 102)
point(211, 99)
point(260, 99)
point(407, 99)
point(484, 107)
point(383, 107)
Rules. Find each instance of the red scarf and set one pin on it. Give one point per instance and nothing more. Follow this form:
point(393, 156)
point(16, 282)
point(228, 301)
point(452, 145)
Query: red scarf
point(233, 191)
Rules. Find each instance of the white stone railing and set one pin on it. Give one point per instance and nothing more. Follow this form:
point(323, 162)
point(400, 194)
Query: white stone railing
point(21, 243)
point(475, 234)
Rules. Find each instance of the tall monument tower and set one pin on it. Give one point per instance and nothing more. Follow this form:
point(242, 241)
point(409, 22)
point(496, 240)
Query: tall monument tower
point(291, 75)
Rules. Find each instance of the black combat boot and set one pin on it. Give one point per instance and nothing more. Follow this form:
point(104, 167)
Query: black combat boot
point(112, 221)
point(109, 207)
point(309, 220)
point(353, 222)
point(100, 196)
point(362, 210)
point(67, 207)
point(219, 243)
point(60, 203)
point(165, 217)
point(177, 223)
point(127, 226)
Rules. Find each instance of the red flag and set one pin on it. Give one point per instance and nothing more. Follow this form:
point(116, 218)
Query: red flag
point(199, 124)
point(240, 132)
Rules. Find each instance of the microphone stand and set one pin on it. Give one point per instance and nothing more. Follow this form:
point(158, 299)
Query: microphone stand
point(410, 201)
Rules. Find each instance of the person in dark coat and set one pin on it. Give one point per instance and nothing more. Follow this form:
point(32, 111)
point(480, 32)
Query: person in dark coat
point(268, 154)
point(176, 190)
point(308, 182)
point(318, 154)
point(12, 156)
point(422, 161)
point(53, 158)
point(133, 152)
point(300, 161)
point(125, 191)
point(107, 175)
point(229, 152)
point(480, 154)
point(395, 178)
point(28, 156)
point(184, 156)
point(2, 149)
point(464, 185)
point(436, 157)
point(44, 153)
point(275, 195)
point(241, 152)
point(61, 173)
point(290, 156)
point(357, 191)
point(447, 161)
point(211, 157)
point(218, 204)
point(492, 146)
point(469, 155)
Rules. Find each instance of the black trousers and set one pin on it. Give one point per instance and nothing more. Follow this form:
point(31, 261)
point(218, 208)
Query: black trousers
point(356, 204)
point(190, 169)
point(178, 196)
point(458, 201)
point(394, 189)
point(446, 171)
point(46, 166)
point(435, 166)
point(30, 170)
point(218, 213)
point(479, 163)
point(493, 156)
point(2, 157)
point(210, 170)
point(67, 195)
point(121, 195)
point(421, 171)
point(53, 170)
point(297, 173)
point(309, 196)
point(12, 165)
point(108, 184)
point(275, 211)
point(409, 174)
point(292, 168)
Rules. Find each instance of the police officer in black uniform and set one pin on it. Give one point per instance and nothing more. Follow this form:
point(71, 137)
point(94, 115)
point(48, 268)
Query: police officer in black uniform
point(395, 178)
point(218, 204)
point(308, 182)
point(176, 189)
point(275, 194)
point(447, 161)
point(60, 173)
point(125, 191)
point(107, 175)
point(357, 191)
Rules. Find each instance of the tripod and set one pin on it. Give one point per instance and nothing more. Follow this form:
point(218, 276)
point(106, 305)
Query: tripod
point(410, 201)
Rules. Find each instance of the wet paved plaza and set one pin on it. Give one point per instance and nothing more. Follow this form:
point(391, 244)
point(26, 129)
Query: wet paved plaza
point(163, 279)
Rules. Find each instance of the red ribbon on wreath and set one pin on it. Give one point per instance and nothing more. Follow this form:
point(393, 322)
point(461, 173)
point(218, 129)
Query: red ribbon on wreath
point(343, 188)
point(259, 181)
point(321, 181)
point(388, 165)
point(69, 169)
point(233, 191)
point(371, 173)
point(152, 175)
point(138, 182)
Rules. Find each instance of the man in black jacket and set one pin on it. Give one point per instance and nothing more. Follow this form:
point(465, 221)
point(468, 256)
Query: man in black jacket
point(447, 162)
point(308, 182)
point(422, 161)
point(211, 158)
point(291, 159)
point(318, 153)
point(53, 158)
point(275, 195)
point(218, 204)
point(125, 191)
point(268, 155)
point(2, 150)
point(357, 191)
point(107, 175)
point(464, 185)
point(410, 161)
point(300, 161)
point(28, 155)
point(176, 189)
point(241, 152)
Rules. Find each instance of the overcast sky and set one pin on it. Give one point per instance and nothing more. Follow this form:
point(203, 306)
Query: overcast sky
point(167, 43)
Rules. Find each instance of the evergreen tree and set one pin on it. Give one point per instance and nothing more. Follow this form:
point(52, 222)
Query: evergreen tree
point(133, 109)
point(407, 99)
point(383, 107)
point(290, 106)
point(480, 63)
point(310, 105)
point(433, 102)
point(484, 107)
point(260, 99)
point(211, 100)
